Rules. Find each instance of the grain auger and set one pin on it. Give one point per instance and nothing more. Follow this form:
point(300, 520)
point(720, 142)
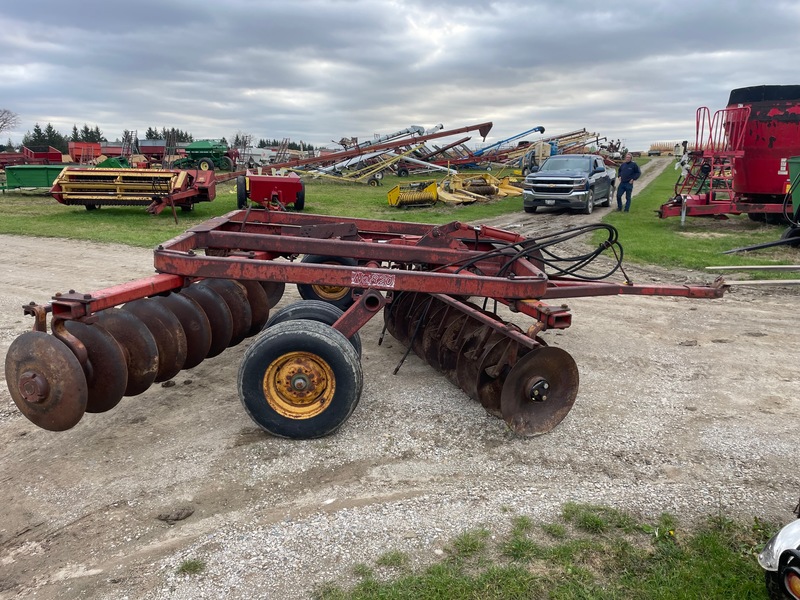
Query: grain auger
point(439, 288)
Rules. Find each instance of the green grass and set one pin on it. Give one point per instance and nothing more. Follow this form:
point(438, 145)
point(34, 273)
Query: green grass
point(645, 238)
point(38, 214)
point(698, 243)
point(191, 566)
point(599, 554)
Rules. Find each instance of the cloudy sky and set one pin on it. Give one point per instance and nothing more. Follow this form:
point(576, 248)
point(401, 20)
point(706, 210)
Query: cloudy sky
point(319, 70)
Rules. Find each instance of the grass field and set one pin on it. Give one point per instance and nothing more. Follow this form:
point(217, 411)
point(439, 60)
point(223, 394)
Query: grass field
point(645, 238)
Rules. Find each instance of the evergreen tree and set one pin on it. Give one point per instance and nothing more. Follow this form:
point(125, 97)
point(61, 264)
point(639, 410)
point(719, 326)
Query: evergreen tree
point(75, 137)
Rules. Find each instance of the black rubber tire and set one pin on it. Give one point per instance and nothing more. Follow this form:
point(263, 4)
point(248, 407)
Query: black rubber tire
point(589, 208)
point(241, 192)
point(342, 298)
point(313, 339)
point(300, 198)
point(227, 163)
point(792, 233)
point(313, 310)
point(530, 209)
point(402, 172)
point(205, 164)
point(774, 586)
point(187, 207)
point(373, 182)
point(91, 206)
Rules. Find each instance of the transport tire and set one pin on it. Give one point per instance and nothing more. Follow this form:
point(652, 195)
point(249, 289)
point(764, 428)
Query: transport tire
point(340, 297)
point(300, 379)
point(241, 192)
point(313, 310)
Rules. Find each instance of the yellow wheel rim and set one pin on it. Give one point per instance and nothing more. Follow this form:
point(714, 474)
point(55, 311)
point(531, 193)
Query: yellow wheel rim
point(299, 385)
point(330, 293)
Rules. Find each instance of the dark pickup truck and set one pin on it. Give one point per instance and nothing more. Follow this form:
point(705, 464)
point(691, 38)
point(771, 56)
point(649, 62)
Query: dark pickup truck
point(574, 181)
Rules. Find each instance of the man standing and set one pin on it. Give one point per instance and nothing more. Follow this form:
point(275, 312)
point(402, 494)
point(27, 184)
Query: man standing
point(628, 173)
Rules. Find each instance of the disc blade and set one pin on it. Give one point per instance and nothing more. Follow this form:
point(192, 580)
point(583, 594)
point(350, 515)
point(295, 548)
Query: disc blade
point(539, 391)
point(196, 326)
point(234, 295)
point(259, 305)
point(218, 314)
point(274, 291)
point(141, 351)
point(107, 375)
point(167, 332)
point(46, 381)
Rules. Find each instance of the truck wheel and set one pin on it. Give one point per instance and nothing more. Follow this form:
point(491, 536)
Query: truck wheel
point(300, 198)
point(205, 164)
point(339, 296)
point(241, 192)
point(227, 163)
point(300, 380)
point(587, 210)
point(530, 209)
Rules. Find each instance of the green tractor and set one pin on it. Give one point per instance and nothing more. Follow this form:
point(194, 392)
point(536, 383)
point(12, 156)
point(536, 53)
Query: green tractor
point(207, 155)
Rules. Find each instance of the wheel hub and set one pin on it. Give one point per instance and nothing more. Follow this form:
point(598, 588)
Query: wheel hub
point(299, 385)
point(33, 387)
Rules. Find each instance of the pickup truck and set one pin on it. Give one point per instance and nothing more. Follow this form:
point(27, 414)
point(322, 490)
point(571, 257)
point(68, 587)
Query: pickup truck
point(574, 181)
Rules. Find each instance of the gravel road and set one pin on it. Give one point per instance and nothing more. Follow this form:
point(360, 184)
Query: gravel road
point(686, 406)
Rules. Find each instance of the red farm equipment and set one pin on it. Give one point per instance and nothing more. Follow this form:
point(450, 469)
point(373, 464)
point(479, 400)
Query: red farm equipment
point(438, 288)
point(740, 161)
point(273, 191)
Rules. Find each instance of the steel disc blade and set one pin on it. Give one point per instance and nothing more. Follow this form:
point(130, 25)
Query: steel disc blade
point(167, 332)
point(274, 291)
point(196, 326)
point(107, 375)
point(218, 313)
point(46, 381)
point(259, 305)
point(493, 367)
point(468, 361)
point(418, 320)
point(539, 391)
point(450, 345)
point(141, 351)
point(432, 336)
point(235, 297)
point(394, 315)
point(434, 314)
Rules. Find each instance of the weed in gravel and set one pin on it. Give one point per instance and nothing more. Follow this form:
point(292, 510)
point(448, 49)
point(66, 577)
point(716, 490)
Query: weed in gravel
point(191, 566)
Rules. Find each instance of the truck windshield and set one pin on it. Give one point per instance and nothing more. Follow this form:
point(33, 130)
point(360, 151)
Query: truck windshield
point(567, 163)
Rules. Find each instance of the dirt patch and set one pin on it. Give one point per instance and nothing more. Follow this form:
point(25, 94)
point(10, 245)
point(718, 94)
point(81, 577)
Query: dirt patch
point(686, 406)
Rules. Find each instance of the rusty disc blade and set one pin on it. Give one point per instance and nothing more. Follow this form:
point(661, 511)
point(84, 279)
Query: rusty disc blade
point(468, 362)
point(539, 391)
point(218, 314)
point(418, 319)
point(141, 351)
point(259, 305)
point(107, 372)
point(167, 332)
point(195, 324)
point(450, 345)
point(394, 315)
point(274, 291)
point(46, 381)
point(493, 367)
point(235, 296)
point(432, 336)
point(434, 313)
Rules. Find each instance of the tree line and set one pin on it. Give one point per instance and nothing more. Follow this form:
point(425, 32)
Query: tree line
point(49, 136)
